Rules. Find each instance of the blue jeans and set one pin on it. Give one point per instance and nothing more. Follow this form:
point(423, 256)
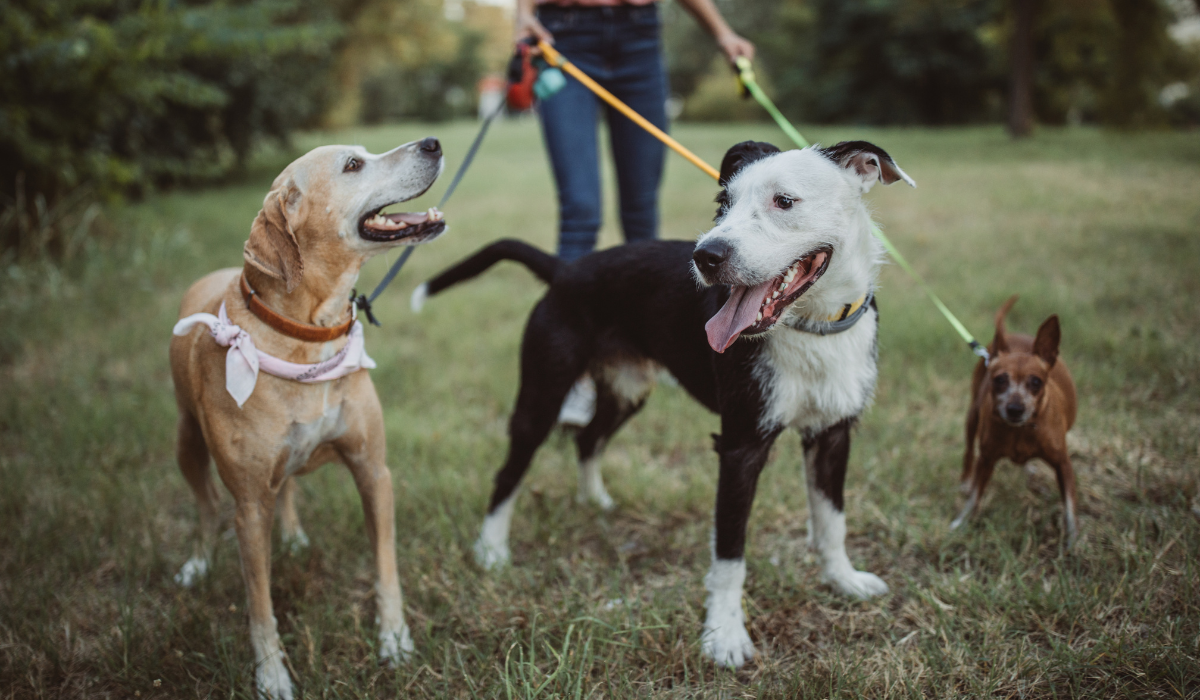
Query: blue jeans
point(619, 48)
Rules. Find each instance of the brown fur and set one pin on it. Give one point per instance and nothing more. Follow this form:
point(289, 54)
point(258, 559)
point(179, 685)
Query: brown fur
point(302, 257)
point(1018, 364)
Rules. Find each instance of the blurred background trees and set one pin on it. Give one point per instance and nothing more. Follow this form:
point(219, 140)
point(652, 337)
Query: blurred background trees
point(106, 98)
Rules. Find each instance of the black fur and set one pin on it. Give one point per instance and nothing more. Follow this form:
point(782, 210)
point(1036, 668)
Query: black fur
point(638, 302)
point(736, 158)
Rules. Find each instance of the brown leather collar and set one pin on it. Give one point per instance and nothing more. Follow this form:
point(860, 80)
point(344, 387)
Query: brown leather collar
point(288, 327)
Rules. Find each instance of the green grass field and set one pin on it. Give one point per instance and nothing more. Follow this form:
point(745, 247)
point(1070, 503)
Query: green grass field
point(1101, 228)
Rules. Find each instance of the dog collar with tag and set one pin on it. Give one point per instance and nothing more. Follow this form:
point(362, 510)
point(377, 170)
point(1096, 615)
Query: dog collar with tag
point(838, 323)
point(290, 328)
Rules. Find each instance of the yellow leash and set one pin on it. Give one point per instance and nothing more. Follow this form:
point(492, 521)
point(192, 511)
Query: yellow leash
point(746, 77)
point(557, 60)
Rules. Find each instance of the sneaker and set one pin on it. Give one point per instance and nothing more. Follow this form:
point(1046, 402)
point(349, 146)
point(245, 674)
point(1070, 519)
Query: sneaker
point(580, 405)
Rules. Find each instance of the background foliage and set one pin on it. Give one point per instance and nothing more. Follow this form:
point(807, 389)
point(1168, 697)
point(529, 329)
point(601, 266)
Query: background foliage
point(937, 62)
point(117, 95)
point(114, 97)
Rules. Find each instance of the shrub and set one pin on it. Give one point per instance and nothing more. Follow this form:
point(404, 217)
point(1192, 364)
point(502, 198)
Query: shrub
point(122, 95)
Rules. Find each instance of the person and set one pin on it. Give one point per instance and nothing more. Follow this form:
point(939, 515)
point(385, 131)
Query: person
point(618, 44)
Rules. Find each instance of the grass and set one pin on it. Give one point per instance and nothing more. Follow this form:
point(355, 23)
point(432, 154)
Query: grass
point(1102, 228)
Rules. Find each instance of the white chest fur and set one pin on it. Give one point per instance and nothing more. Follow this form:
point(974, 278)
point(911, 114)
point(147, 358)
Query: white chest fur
point(811, 382)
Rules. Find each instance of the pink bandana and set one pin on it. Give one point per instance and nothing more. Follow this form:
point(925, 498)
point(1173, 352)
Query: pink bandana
point(243, 360)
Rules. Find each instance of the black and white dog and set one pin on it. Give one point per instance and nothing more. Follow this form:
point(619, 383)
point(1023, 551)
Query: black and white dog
point(790, 269)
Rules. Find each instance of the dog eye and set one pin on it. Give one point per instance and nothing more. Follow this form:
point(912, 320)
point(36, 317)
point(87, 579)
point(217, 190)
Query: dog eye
point(783, 201)
point(353, 165)
point(1034, 384)
point(1000, 382)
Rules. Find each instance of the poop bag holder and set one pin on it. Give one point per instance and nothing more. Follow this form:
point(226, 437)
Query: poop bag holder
point(530, 78)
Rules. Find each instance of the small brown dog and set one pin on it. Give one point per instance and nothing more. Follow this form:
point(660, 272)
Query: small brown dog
point(1022, 405)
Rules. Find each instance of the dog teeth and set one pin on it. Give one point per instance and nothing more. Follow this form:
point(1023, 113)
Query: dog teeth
point(775, 294)
point(759, 316)
point(434, 214)
point(402, 224)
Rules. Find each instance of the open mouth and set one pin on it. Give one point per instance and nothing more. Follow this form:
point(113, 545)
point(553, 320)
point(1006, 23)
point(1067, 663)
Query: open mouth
point(752, 310)
point(411, 227)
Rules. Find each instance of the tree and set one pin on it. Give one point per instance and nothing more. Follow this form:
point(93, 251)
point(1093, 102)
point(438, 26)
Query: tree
point(1021, 66)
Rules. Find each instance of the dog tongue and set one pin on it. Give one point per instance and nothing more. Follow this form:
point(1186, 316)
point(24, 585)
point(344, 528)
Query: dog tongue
point(738, 313)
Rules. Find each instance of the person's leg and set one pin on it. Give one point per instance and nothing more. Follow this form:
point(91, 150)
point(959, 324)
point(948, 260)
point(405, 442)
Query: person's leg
point(569, 131)
point(639, 80)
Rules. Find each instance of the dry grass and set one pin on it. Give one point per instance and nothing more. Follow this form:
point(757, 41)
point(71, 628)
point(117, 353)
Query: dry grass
point(1100, 228)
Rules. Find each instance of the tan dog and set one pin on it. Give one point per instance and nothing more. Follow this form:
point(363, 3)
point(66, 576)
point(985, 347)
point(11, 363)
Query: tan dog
point(1022, 405)
point(318, 225)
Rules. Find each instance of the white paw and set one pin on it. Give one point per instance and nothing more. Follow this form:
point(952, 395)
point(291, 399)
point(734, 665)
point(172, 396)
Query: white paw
point(296, 542)
point(395, 647)
point(491, 556)
point(729, 644)
point(964, 486)
point(856, 584)
point(601, 499)
point(192, 571)
point(272, 679)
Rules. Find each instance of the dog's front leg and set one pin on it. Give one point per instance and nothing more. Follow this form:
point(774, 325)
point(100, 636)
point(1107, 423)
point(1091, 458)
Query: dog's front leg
point(365, 458)
point(255, 513)
point(825, 457)
point(726, 640)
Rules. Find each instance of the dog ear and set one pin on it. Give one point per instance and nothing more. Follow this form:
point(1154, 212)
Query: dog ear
point(867, 161)
point(737, 157)
point(272, 246)
point(1045, 345)
point(742, 154)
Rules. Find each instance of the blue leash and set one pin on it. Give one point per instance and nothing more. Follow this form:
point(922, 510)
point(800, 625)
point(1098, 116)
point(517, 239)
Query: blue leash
point(362, 301)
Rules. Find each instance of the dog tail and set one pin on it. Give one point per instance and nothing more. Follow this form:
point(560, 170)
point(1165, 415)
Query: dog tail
point(1004, 308)
point(539, 262)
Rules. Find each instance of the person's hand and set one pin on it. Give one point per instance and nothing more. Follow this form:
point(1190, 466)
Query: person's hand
point(529, 26)
point(735, 46)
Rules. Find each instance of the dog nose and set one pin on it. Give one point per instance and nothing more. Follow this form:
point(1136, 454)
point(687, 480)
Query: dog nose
point(710, 256)
point(1014, 411)
point(431, 145)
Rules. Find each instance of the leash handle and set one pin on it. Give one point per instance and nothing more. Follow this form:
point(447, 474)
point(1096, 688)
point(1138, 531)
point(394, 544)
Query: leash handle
point(747, 80)
point(556, 59)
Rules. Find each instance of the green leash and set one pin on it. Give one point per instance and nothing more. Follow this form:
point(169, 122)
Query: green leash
point(746, 78)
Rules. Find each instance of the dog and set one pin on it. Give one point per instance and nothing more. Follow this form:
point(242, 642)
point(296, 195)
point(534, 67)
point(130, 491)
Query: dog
point(1022, 405)
point(287, 312)
point(768, 320)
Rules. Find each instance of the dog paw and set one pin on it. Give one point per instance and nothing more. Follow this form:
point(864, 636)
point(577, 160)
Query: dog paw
point(295, 543)
point(600, 499)
point(728, 645)
point(491, 556)
point(395, 647)
point(857, 584)
point(192, 571)
point(964, 486)
point(272, 679)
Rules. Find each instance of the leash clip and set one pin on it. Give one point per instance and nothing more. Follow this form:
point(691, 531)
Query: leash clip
point(360, 302)
point(982, 352)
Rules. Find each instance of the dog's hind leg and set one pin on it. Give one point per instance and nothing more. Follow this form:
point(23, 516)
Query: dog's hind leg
point(294, 539)
point(617, 400)
point(551, 360)
point(826, 455)
point(192, 454)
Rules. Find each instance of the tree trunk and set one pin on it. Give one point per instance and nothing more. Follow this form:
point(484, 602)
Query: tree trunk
point(1020, 98)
